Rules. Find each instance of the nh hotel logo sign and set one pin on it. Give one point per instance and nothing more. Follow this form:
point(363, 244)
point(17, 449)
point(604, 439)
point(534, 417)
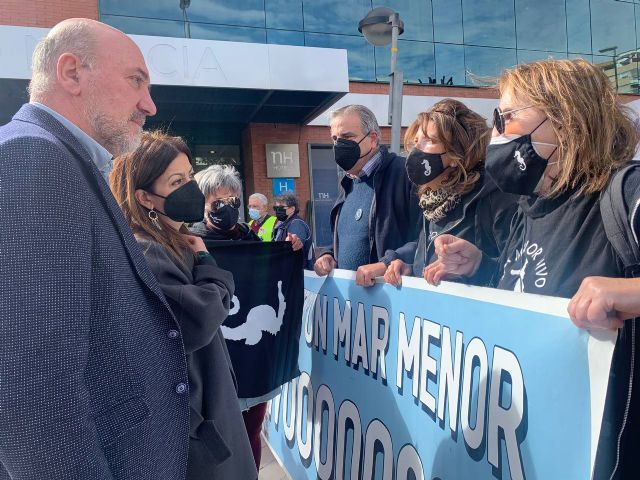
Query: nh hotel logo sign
point(206, 63)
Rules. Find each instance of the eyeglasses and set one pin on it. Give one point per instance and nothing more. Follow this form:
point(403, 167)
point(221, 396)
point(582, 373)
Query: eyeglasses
point(501, 118)
point(233, 202)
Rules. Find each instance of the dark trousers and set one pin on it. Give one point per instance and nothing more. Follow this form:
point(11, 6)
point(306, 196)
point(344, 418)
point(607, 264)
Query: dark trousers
point(253, 423)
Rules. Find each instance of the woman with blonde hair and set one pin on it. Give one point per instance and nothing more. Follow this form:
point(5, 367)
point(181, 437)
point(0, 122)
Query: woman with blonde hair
point(447, 145)
point(559, 137)
point(155, 188)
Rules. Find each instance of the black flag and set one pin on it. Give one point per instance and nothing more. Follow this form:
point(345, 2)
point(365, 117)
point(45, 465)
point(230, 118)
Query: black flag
point(263, 327)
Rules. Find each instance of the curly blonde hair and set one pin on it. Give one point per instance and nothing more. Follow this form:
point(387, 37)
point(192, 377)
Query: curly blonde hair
point(596, 134)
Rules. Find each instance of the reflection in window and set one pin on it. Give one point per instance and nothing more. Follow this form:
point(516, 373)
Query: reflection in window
point(285, 37)
point(334, 16)
point(447, 21)
point(145, 26)
point(450, 64)
point(612, 25)
point(578, 26)
point(359, 52)
point(283, 14)
point(416, 16)
point(484, 64)
point(415, 59)
point(541, 25)
point(160, 9)
point(229, 34)
point(249, 13)
point(526, 56)
point(490, 22)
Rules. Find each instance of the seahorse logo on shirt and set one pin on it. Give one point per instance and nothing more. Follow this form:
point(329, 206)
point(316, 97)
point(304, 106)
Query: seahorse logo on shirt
point(529, 260)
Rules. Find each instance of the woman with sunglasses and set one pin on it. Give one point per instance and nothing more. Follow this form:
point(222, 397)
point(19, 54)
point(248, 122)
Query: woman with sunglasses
point(154, 186)
point(446, 162)
point(222, 188)
point(559, 136)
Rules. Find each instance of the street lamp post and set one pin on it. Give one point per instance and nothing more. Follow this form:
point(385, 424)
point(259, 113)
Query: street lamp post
point(184, 4)
point(380, 27)
point(615, 61)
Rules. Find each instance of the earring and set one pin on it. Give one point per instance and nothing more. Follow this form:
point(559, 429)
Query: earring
point(153, 216)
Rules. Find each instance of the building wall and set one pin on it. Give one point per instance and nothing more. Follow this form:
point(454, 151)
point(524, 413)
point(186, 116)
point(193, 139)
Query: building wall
point(45, 13)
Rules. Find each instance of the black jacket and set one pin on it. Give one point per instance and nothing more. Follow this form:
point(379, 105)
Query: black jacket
point(394, 218)
point(200, 295)
point(299, 227)
point(482, 217)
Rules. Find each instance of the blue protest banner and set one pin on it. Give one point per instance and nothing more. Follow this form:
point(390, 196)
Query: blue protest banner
point(449, 382)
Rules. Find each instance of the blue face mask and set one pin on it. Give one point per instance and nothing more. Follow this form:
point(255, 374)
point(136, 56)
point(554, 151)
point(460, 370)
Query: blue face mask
point(254, 213)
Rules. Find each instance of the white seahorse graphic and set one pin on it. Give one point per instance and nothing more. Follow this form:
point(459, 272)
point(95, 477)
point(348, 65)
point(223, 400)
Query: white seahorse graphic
point(427, 167)
point(261, 318)
point(521, 165)
point(519, 286)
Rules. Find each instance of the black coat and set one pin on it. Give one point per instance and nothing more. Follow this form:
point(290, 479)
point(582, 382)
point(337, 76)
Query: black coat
point(483, 217)
point(200, 294)
point(94, 385)
point(395, 217)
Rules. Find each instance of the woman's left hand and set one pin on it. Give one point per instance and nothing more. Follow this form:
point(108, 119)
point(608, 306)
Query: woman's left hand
point(296, 243)
point(603, 303)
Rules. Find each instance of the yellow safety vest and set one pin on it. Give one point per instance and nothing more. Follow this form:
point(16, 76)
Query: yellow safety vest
point(266, 229)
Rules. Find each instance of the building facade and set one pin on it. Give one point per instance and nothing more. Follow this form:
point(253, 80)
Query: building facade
point(238, 77)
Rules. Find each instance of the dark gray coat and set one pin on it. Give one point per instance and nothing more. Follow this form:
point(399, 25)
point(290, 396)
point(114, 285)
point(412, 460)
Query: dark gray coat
point(200, 295)
point(92, 386)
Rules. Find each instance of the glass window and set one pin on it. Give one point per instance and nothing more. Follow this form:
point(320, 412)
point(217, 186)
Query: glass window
point(285, 37)
point(578, 26)
point(489, 22)
point(612, 25)
point(230, 34)
point(334, 16)
point(526, 56)
point(415, 59)
point(484, 64)
point(573, 56)
point(447, 21)
point(416, 16)
point(359, 52)
point(283, 14)
point(162, 9)
point(145, 26)
point(450, 63)
point(541, 25)
point(249, 13)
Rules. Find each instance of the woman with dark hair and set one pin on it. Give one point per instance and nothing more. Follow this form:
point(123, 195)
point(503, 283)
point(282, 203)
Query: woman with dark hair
point(154, 186)
point(287, 209)
point(447, 146)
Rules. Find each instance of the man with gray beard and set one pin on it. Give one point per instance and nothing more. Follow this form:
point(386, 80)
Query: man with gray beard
point(93, 376)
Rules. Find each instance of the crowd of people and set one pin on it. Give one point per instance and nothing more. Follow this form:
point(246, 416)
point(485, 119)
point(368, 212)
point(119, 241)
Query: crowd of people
point(113, 361)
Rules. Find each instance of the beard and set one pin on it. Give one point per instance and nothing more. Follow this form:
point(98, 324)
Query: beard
point(115, 135)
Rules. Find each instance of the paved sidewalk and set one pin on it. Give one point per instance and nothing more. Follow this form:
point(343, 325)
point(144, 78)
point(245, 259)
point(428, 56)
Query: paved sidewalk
point(269, 467)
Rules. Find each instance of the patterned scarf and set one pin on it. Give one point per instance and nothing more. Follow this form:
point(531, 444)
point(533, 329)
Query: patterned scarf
point(437, 203)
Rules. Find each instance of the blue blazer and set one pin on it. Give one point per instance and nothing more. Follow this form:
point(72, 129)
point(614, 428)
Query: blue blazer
point(93, 376)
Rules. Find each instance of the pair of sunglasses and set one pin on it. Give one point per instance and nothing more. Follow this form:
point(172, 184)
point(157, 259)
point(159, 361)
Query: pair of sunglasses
point(233, 202)
point(501, 118)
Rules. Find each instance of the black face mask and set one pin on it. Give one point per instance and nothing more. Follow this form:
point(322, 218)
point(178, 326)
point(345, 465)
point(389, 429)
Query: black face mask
point(281, 213)
point(225, 217)
point(347, 152)
point(185, 204)
point(423, 167)
point(514, 165)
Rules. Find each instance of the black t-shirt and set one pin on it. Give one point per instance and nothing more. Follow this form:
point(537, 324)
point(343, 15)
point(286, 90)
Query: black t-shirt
point(556, 243)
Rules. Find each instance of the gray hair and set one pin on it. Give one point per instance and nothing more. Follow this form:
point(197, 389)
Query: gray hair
point(368, 121)
point(77, 38)
point(288, 199)
point(260, 197)
point(212, 179)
